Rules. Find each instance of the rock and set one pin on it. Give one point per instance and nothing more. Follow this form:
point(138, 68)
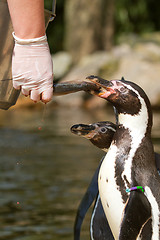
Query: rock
point(146, 73)
point(121, 50)
point(89, 65)
point(150, 37)
point(62, 62)
point(149, 51)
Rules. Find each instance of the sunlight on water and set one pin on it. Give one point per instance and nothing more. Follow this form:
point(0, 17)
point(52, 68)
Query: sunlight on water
point(45, 170)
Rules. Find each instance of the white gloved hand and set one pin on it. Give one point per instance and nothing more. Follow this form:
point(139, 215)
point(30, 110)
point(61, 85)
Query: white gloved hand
point(32, 68)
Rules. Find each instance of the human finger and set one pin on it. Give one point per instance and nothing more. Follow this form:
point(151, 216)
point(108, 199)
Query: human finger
point(47, 95)
point(35, 96)
point(25, 91)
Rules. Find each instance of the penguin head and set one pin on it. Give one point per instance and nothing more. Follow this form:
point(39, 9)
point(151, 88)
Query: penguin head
point(124, 95)
point(100, 133)
point(83, 130)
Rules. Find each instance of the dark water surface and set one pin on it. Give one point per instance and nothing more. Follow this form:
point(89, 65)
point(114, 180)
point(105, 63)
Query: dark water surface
point(44, 171)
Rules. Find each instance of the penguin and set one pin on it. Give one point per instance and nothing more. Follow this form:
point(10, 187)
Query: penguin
point(99, 228)
point(132, 106)
point(101, 135)
point(132, 165)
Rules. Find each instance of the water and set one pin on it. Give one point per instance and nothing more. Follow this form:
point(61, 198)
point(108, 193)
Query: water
point(45, 170)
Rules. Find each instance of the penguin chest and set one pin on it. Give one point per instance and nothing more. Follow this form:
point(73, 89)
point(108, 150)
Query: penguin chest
point(110, 194)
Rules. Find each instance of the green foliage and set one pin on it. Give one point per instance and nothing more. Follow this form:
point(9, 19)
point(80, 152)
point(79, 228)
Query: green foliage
point(131, 16)
point(55, 30)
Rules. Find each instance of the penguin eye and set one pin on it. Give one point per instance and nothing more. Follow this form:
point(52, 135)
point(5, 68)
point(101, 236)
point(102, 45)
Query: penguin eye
point(103, 130)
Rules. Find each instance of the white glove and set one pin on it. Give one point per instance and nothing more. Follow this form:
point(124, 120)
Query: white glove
point(32, 68)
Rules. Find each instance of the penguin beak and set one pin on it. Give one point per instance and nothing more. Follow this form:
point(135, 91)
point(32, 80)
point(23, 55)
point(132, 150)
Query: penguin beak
point(82, 130)
point(105, 86)
point(98, 80)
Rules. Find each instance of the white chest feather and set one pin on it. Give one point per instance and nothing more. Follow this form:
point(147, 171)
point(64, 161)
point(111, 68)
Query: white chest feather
point(137, 126)
point(110, 195)
point(155, 213)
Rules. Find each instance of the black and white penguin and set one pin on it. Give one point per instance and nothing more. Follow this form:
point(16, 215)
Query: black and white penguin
point(97, 134)
point(101, 135)
point(132, 164)
point(126, 169)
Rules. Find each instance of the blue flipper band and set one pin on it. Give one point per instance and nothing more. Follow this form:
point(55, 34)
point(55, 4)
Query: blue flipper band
point(134, 189)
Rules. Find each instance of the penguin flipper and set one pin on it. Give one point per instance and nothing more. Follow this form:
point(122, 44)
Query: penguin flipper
point(100, 229)
point(136, 213)
point(86, 202)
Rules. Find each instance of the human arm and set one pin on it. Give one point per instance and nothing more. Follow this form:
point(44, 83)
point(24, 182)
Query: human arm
point(32, 67)
point(27, 18)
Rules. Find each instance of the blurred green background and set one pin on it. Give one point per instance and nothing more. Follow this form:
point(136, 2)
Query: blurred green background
point(123, 17)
